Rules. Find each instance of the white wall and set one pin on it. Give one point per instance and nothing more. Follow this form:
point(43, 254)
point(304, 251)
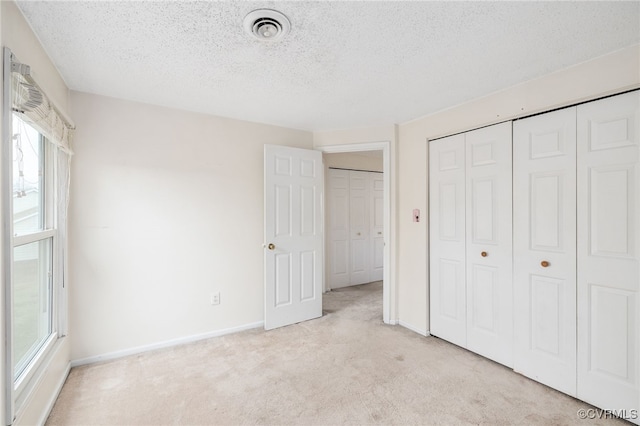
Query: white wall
point(166, 208)
point(17, 35)
point(616, 72)
point(352, 136)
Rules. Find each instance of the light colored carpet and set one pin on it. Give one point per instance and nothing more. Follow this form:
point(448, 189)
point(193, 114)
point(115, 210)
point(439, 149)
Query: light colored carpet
point(344, 368)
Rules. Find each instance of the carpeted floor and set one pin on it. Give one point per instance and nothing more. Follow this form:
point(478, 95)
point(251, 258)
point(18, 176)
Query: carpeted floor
point(344, 368)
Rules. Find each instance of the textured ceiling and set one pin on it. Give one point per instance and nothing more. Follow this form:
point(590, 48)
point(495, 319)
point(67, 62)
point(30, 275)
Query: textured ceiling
point(343, 65)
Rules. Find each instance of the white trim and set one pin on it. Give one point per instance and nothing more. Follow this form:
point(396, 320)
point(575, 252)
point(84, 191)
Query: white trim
point(21, 240)
point(388, 283)
point(54, 396)
point(165, 344)
point(7, 242)
point(393, 322)
point(427, 262)
point(32, 389)
point(43, 355)
point(414, 329)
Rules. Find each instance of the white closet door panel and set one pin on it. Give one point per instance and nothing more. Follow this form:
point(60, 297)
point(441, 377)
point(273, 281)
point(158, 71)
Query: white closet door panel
point(609, 252)
point(489, 243)
point(544, 214)
point(338, 256)
point(376, 220)
point(447, 241)
point(359, 226)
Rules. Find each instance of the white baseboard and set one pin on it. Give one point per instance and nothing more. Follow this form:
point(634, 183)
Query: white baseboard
point(414, 329)
point(167, 343)
point(393, 322)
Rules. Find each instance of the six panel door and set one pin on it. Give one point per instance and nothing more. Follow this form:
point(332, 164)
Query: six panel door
point(544, 243)
point(609, 252)
point(447, 267)
point(488, 243)
point(576, 183)
point(293, 188)
point(355, 253)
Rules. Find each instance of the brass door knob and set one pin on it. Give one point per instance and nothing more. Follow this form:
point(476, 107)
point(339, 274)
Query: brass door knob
point(271, 246)
point(544, 263)
point(484, 254)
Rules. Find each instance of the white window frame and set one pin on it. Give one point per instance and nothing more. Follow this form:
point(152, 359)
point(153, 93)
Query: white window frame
point(23, 382)
point(19, 389)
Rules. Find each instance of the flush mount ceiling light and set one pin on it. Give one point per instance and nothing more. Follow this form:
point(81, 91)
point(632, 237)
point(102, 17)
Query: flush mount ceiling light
point(267, 24)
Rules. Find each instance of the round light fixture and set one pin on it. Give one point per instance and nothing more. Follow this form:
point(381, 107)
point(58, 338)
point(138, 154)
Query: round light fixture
point(267, 24)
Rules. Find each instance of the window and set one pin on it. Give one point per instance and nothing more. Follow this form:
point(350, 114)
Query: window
point(34, 233)
point(36, 160)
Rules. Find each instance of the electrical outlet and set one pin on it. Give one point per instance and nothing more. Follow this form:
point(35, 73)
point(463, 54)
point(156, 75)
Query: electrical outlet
point(215, 298)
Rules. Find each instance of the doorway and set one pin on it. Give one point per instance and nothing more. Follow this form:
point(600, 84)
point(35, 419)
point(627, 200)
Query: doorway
point(354, 193)
point(375, 149)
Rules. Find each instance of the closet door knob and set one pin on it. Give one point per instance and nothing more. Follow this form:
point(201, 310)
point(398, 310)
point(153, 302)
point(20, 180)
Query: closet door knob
point(271, 246)
point(484, 254)
point(544, 263)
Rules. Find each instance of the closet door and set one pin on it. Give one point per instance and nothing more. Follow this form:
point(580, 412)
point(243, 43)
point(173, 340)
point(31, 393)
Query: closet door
point(338, 235)
point(376, 219)
point(359, 226)
point(447, 239)
point(609, 252)
point(489, 243)
point(544, 214)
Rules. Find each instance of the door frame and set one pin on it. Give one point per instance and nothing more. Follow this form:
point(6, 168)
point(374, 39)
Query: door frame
point(388, 282)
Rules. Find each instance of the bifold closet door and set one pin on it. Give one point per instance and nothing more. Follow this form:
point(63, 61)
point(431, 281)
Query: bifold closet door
point(355, 247)
point(544, 243)
point(489, 242)
point(376, 219)
point(447, 239)
point(470, 241)
point(609, 252)
point(359, 226)
point(338, 233)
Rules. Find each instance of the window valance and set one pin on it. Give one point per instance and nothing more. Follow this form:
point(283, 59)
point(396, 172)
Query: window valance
point(29, 100)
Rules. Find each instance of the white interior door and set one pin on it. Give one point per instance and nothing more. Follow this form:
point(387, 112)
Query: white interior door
point(544, 214)
point(609, 252)
point(293, 191)
point(359, 226)
point(338, 252)
point(489, 243)
point(376, 219)
point(447, 299)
